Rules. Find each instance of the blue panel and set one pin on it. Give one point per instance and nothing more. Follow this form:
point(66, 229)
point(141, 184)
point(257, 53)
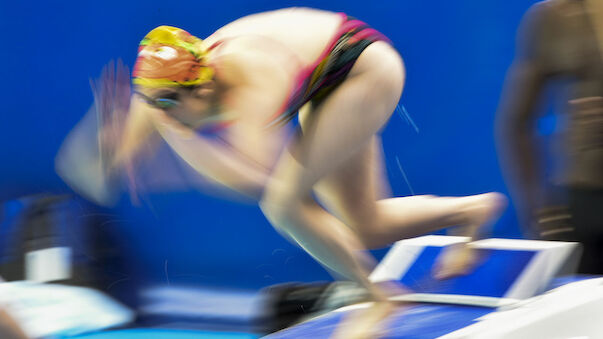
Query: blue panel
point(417, 322)
point(492, 278)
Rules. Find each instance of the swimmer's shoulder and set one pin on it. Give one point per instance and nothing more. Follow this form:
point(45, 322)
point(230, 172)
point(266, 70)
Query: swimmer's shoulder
point(288, 12)
point(260, 23)
point(239, 60)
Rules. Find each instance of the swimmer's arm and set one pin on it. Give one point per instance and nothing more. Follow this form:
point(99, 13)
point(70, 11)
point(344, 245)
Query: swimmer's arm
point(213, 159)
point(519, 154)
point(137, 135)
point(256, 90)
point(243, 160)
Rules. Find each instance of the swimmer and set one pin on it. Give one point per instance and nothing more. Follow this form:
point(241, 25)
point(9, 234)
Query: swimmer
point(222, 103)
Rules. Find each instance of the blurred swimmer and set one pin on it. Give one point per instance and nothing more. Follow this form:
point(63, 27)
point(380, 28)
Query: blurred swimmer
point(220, 104)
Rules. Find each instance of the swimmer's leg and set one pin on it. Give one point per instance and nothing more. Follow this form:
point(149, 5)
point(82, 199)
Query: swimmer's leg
point(341, 126)
point(353, 193)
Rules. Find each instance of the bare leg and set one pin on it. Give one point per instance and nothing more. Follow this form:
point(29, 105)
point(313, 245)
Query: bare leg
point(339, 129)
point(380, 223)
point(335, 140)
point(351, 193)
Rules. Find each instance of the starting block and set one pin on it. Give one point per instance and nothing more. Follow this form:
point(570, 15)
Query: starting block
point(507, 295)
point(507, 271)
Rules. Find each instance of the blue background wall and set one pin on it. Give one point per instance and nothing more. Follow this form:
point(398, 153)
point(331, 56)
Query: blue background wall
point(456, 54)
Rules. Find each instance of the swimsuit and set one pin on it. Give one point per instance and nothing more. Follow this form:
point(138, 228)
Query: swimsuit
point(316, 82)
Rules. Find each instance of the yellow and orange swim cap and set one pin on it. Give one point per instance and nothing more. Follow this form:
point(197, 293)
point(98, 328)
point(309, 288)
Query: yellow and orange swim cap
point(170, 57)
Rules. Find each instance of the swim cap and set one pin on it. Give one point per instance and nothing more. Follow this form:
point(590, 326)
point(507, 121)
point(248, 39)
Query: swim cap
point(168, 57)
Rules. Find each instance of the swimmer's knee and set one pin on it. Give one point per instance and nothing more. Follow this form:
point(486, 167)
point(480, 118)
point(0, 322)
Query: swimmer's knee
point(375, 238)
point(273, 210)
point(280, 205)
point(370, 230)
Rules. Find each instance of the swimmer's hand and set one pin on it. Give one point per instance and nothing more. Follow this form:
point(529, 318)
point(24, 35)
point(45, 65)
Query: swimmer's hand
point(112, 93)
point(86, 160)
point(78, 163)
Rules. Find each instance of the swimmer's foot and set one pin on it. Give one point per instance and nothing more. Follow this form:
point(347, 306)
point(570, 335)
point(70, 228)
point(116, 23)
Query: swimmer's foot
point(366, 323)
point(455, 260)
point(481, 211)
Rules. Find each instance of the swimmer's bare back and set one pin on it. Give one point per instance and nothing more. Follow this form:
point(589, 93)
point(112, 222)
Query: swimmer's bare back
point(304, 32)
point(275, 46)
point(269, 50)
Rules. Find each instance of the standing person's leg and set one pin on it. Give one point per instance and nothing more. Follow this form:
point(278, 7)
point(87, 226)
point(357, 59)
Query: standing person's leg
point(586, 208)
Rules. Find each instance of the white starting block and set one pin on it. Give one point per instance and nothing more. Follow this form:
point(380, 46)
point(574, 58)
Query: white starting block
point(570, 311)
point(507, 271)
point(513, 274)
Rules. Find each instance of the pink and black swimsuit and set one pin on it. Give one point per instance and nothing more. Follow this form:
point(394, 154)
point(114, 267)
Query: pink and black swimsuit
point(316, 82)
